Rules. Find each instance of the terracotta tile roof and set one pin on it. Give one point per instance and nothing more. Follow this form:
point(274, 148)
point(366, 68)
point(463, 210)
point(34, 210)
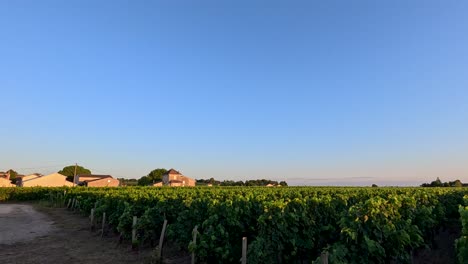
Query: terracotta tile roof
point(172, 171)
point(97, 179)
point(93, 176)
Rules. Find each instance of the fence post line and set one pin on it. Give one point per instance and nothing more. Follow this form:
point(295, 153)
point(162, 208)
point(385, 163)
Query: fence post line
point(194, 234)
point(161, 239)
point(244, 250)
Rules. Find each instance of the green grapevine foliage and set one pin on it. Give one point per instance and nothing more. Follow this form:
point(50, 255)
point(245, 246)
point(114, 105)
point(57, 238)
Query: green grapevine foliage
point(282, 225)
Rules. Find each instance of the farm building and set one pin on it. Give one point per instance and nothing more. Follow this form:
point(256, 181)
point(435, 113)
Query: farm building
point(5, 175)
point(51, 180)
point(175, 179)
point(4, 182)
point(5, 179)
point(92, 180)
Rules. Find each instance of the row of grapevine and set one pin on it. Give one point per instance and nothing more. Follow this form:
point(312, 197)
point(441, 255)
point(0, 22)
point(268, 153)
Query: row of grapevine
point(462, 242)
point(283, 225)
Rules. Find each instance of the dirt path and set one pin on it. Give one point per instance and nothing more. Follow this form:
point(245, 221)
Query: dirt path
point(34, 234)
point(20, 222)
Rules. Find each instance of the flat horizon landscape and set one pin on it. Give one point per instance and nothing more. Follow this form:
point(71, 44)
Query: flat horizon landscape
point(125, 126)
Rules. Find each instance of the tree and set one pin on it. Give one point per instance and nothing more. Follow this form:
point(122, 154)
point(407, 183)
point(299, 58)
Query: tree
point(144, 181)
point(374, 185)
point(156, 175)
point(457, 183)
point(152, 177)
point(283, 183)
point(69, 171)
point(13, 175)
point(127, 182)
point(227, 183)
point(439, 183)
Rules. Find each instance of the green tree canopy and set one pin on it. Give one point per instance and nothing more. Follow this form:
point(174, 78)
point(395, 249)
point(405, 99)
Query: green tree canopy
point(144, 181)
point(69, 171)
point(439, 183)
point(127, 182)
point(457, 183)
point(13, 175)
point(152, 177)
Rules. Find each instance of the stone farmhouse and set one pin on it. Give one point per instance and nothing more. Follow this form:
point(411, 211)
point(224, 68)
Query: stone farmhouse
point(175, 179)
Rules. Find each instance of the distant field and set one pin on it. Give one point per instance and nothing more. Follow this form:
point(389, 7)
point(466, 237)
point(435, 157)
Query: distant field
point(282, 225)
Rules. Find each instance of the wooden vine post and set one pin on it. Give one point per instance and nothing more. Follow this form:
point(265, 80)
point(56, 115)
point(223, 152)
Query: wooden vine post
point(324, 257)
point(73, 204)
point(161, 239)
point(92, 219)
point(134, 232)
point(194, 234)
point(103, 223)
point(244, 250)
point(64, 200)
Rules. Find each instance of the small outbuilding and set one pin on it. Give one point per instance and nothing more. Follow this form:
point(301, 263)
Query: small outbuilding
point(92, 180)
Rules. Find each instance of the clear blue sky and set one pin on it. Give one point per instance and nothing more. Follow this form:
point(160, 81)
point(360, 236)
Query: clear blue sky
point(312, 92)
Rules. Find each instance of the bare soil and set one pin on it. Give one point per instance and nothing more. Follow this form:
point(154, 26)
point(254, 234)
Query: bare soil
point(37, 234)
point(20, 223)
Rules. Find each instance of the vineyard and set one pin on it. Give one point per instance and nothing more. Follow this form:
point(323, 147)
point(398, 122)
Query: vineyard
point(282, 225)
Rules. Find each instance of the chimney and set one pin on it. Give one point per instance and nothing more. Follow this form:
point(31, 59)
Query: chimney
point(8, 175)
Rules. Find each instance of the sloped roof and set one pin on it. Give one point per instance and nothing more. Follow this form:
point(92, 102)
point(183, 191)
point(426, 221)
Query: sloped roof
point(98, 179)
point(93, 176)
point(172, 171)
point(32, 174)
point(40, 177)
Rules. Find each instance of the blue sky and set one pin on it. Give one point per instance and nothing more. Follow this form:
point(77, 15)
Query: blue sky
point(312, 92)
